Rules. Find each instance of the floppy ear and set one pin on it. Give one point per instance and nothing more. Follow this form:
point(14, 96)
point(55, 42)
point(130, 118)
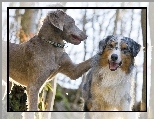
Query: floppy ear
point(103, 43)
point(135, 48)
point(56, 18)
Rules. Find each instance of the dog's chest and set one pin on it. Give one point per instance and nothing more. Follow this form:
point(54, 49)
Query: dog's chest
point(45, 66)
point(110, 86)
point(48, 61)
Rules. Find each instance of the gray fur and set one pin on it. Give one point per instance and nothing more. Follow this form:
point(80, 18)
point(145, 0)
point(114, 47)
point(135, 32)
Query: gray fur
point(33, 62)
point(133, 46)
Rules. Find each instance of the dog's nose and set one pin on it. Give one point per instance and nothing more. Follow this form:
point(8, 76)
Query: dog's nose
point(83, 36)
point(114, 57)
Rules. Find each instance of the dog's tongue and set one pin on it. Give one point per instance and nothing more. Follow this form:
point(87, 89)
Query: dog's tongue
point(113, 66)
point(76, 39)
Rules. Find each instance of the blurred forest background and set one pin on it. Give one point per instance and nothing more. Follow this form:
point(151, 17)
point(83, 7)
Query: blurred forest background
point(97, 24)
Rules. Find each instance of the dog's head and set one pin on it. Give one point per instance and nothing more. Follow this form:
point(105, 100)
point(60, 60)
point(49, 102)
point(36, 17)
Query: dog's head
point(118, 52)
point(70, 32)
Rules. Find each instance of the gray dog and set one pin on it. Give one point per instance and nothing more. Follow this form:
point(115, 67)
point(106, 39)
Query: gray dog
point(42, 57)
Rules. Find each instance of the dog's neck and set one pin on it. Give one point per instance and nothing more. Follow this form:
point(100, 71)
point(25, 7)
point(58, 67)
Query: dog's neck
point(53, 35)
point(112, 78)
point(55, 44)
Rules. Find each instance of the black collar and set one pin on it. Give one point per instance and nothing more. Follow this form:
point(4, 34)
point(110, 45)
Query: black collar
point(54, 43)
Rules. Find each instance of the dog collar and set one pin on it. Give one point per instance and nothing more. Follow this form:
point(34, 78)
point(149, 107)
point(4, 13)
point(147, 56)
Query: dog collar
point(55, 44)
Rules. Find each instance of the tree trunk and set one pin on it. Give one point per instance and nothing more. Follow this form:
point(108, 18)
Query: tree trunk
point(51, 94)
point(144, 89)
point(28, 24)
point(116, 22)
point(143, 115)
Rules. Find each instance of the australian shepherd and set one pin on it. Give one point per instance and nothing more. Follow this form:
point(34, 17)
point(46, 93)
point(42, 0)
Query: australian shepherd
point(108, 84)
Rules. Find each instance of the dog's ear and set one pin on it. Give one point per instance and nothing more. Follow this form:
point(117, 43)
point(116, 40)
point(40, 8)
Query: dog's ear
point(103, 43)
point(135, 48)
point(56, 18)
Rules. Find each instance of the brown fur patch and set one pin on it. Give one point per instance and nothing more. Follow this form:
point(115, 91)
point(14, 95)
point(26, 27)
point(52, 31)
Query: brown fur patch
point(126, 59)
point(123, 45)
point(104, 57)
point(98, 101)
point(126, 62)
point(96, 96)
point(113, 43)
point(89, 105)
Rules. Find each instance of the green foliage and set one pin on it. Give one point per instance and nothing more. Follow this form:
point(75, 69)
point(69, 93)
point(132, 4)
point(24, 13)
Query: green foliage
point(17, 99)
point(42, 103)
point(62, 98)
point(48, 87)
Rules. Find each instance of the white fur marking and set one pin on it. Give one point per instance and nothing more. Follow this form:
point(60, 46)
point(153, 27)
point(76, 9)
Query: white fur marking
point(117, 51)
point(114, 84)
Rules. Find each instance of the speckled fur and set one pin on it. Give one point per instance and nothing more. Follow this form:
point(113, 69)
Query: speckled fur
point(106, 90)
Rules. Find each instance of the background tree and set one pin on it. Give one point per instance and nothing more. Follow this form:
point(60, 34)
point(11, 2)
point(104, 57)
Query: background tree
point(144, 89)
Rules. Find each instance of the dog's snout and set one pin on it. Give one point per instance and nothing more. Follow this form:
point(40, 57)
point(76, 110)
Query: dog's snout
point(114, 57)
point(83, 35)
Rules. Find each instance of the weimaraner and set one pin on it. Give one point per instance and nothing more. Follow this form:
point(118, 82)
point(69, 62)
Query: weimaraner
point(42, 57)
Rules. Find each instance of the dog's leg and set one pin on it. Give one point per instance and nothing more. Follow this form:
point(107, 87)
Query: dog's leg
point(72, 70)
point(32, 92)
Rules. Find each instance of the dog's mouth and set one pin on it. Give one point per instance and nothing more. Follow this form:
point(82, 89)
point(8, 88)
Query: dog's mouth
point(76, 39)
point(113, 65)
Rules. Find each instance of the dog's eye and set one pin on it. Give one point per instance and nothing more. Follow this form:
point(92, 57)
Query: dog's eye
point(110, 46)
point(125, 50)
